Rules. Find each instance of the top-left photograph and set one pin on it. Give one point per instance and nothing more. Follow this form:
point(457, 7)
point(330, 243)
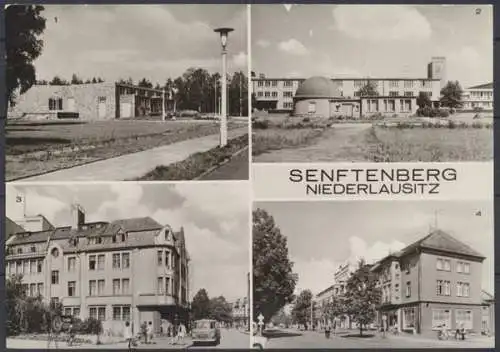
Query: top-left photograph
point(126, 93)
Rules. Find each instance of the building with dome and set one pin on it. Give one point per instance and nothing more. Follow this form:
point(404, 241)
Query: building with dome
point(315, 96)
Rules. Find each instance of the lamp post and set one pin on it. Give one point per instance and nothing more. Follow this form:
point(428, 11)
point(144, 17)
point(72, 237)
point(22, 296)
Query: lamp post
point(163, 104)
point(223, 32)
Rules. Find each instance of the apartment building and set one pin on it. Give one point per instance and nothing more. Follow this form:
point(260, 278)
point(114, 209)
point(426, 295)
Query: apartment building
point(479, 97)
point(92, 101)
point(277, 94)
point(322, 299)
point(433, 282)
point(126, 270)
point(241, 312)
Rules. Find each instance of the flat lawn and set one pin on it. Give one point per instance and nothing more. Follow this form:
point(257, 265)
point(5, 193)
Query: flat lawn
point(61, 144)
point(429, 144)
point(279, 138)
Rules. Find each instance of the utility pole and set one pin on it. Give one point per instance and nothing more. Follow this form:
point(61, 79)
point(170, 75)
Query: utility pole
point(241, 97)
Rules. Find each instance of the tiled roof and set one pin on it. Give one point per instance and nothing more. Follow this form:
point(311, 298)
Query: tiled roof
point(11, 228)
point(441, 241)
point(483, 86)
point(138, 224)
point(105, 229)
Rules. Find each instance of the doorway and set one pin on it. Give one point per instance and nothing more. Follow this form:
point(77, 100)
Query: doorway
point(101, 107)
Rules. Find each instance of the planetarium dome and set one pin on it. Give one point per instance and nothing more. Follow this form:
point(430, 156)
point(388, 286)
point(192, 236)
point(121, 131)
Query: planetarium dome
point(317, 87)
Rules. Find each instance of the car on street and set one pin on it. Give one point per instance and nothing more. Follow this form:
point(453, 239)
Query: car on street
point(206, 331)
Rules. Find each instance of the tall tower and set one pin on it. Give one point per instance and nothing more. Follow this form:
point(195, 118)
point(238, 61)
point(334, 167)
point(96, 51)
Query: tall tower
point(436, 69)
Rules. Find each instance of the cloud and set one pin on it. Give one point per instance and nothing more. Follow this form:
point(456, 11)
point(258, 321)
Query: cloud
point(381, 22)
point(359, 249)
point(263, 43)
point(294, 47)
point(314, 274)
point(240, 59)
point(470, 65)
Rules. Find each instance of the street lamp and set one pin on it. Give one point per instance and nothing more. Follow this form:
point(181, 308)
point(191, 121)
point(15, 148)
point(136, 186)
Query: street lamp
point(163, 104)
point(224, 31)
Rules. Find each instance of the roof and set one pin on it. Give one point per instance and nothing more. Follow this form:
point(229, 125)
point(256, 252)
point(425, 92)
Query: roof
point(92, 229)
point(483, 86)
point(11, 228)
point(318, 87)
point(441, 241)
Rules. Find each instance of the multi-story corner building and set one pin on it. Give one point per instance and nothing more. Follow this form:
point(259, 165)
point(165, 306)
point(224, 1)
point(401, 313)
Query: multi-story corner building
point(433, 282)
point(127, 270)
point(478, 97)
point(277, 94)
point(488, 313)
point(241, 312)
point(340, 278)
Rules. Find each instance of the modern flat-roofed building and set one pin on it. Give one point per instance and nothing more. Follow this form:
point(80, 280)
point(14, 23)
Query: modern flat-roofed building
point(433, 282)
point(479, 97)
point(275, 94)
point(90, 102)
point(126, 270)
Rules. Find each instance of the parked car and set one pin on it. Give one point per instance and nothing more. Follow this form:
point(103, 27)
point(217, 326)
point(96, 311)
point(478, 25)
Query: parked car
point(206, 331)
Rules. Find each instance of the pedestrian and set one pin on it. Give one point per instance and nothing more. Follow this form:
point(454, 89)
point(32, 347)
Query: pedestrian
point(182, 333)
point(150, 332)
point(173, 332)
point(127, 334)
point(144, 332)
point(334, 326)
point(327, 331)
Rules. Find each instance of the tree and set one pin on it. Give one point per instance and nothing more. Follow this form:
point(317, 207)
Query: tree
point(451, 95)
point(273, 278)
point(368, 90)
point(100, 80)
point(75, 79)
point(423, 100)
point(282, 318)
point(58, 81)
point(220, 309)
point(362, 296)
point(88, 81)
point(94, 80)
point(24, 25)
point(201, 305)
point(145, 83)
point(301, 311)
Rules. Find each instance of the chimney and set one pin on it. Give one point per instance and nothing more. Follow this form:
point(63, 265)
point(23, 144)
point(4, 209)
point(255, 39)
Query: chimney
point(78, 214)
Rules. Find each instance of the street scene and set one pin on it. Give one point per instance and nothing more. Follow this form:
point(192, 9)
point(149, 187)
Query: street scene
point(410, 275)
point(127, 266)
point(407, 83)
point(127, 93)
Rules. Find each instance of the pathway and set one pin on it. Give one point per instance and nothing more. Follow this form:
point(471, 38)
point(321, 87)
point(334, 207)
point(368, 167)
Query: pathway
point(131, 166)
point(343, 142)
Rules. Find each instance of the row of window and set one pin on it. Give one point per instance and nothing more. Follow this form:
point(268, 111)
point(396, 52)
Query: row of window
point(357, 83)
point(274, 94)
point(442, 317)
point(443, 288)
point(445, 265)
point(389, 105)
point(119, 313)
point(98, 287)
point(483, 95)
point(33, 290)
point(25, 267)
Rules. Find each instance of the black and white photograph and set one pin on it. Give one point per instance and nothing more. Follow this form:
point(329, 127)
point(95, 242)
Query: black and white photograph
point(127, 266)
point(127, 92)
point(374, 274)
point(372, 83)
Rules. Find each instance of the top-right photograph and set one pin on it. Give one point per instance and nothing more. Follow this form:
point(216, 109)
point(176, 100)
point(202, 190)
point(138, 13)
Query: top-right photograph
point(372, 83)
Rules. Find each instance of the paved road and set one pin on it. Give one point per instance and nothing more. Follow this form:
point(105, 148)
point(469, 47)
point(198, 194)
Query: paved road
point(306, 339)
point(131, 166)
point(230, 339)
point(344, 142)
point(235, 169)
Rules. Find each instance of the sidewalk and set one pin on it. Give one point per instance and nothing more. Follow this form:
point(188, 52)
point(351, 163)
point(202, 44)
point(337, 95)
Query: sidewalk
point(131, 166)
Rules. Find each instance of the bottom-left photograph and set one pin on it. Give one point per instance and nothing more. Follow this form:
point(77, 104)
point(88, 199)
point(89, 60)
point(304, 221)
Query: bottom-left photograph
point(127, 265)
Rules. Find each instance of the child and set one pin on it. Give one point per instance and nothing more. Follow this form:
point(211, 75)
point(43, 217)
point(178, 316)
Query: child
point(150, 332)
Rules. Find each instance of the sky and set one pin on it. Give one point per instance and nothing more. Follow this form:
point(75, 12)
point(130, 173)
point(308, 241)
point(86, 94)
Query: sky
point(323, 235)
point(215, 218)
point(152, 41)
point(372, 40)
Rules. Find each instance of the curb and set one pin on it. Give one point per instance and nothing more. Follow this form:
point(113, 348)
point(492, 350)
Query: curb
point(213, 168)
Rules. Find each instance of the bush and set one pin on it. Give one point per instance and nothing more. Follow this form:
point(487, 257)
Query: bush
point(260, 124)
point(443, 113)
point(306, 119)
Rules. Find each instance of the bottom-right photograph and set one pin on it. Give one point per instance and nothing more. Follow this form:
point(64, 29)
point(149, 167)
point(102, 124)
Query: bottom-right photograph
point(373, 274)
